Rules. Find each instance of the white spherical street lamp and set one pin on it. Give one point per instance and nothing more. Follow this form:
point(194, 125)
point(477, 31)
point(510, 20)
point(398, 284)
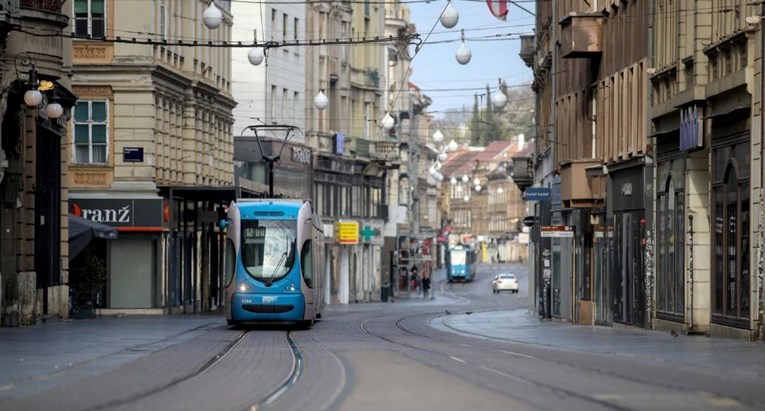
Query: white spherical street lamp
point(321, 101)
point(54, 110)
point(442, 156)
point(33, 98)
point(499, 99)
point(438, 136)
point(453, 180)
point(450, 16)
point(256, 56)
point(463, 54)
point(212, 17)
point(387, 122)
point(465, 178)
point(453, 146)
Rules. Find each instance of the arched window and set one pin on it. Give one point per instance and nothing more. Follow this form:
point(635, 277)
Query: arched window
point(670, 286)
point(731, 256)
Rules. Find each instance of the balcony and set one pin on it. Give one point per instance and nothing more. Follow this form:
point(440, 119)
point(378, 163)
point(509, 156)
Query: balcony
point(581, 35)
point(527, 49)
point(522, 174)
point(576, 190)
point(47, 5)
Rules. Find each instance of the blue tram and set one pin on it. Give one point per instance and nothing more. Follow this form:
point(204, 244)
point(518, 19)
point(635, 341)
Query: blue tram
point(273, 262)
point(460, 263)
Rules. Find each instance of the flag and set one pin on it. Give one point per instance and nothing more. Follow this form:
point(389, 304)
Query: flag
point(498, 8)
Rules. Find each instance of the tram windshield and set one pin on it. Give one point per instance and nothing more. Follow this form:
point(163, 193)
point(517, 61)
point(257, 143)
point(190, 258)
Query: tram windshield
point(268, 248)
point(458, 257)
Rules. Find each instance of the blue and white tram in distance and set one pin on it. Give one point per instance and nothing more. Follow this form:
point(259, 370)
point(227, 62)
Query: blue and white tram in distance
point(274, 258)
point(460, 263)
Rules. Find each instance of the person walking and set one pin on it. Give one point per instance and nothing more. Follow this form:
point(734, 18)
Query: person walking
point(414, 278)
point(425, 284)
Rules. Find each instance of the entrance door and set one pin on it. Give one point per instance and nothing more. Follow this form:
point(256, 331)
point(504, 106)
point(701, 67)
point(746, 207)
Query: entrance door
point(629, 276)
point(47, 211)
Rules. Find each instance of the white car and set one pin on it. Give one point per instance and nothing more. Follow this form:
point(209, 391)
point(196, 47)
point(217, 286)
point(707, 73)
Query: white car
point(505, 282)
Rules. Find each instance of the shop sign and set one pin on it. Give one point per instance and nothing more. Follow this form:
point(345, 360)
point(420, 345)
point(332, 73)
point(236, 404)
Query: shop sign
point(691, 127)
point(347, 232)
point(120, 212)
point(536, 194)
point(557, 231)
point(372, 232)
point(329, 230)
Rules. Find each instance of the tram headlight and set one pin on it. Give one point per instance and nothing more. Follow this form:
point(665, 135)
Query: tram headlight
point(244, 287)
point(291, 287)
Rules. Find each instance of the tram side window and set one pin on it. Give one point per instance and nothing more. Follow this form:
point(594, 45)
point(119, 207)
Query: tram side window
point(229, 262)
point(306, 263)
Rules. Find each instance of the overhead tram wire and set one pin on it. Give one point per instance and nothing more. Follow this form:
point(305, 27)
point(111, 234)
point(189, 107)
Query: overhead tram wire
point(410, 39)
point(418, 47)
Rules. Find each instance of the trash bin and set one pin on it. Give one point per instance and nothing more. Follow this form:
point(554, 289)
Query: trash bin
point(385, 292)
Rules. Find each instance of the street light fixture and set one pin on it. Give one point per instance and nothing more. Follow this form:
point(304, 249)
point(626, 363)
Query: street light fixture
point(450, 16)
point(438, 137)
point(499, 99)
point(256, 56)
point(212, 17)
point(463, 53)
point(387, 122)
point(321, 101)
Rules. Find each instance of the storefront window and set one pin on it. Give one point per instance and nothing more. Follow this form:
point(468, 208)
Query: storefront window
point(670, 288)
point(731, 258)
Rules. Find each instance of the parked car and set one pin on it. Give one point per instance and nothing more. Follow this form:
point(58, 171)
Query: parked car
point(505, 282)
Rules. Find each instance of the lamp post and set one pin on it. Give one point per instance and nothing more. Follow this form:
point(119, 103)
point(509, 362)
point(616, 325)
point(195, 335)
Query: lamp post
point(270, 158)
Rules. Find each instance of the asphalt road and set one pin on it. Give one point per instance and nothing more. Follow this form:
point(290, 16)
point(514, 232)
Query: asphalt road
point(467, 348)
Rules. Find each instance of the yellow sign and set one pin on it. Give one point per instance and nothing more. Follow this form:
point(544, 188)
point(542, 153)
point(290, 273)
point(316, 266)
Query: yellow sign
point(347, 232)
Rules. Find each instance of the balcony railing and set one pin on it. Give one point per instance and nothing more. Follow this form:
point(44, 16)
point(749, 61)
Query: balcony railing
point(47, 5)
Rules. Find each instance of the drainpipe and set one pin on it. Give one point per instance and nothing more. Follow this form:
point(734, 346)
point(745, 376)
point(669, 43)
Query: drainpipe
point(761, 225)
point(690, 272)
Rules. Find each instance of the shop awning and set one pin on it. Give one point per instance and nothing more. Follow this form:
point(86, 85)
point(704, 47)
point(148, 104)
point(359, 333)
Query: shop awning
point(82, 231)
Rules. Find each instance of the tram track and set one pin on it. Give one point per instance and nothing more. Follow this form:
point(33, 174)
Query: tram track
point(463, 362)
point(199, 371)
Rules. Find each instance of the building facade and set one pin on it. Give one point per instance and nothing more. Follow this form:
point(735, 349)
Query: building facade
point(274, 90)
point(152, 149)
point(652, 156)
point(33, 160)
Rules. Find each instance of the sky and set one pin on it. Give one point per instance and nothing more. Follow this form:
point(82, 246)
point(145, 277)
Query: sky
point(435, 69)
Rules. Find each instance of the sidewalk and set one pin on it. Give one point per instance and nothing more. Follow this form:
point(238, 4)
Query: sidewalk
point(33, 357)
point(520, 327)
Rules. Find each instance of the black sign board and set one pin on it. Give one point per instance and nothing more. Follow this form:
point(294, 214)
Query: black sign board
point(120, 212)
point(132, 154)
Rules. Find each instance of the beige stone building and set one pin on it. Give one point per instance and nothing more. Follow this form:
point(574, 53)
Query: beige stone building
point(706, 93)
point(151, 149)
point(33, 159)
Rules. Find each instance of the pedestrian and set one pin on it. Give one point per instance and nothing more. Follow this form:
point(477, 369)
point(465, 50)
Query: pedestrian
point(414, 278)
point(425, 284)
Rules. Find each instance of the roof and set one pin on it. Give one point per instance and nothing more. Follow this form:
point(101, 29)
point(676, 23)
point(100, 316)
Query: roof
point(458, 163)
point(493, 150)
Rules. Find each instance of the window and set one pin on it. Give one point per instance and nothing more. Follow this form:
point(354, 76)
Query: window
point(89, 18)
point(90, 132)
point(731, 291)
point(670, 287)
point(268, 248)
point(162, 20)
point(229, 262)
point(306, 263)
